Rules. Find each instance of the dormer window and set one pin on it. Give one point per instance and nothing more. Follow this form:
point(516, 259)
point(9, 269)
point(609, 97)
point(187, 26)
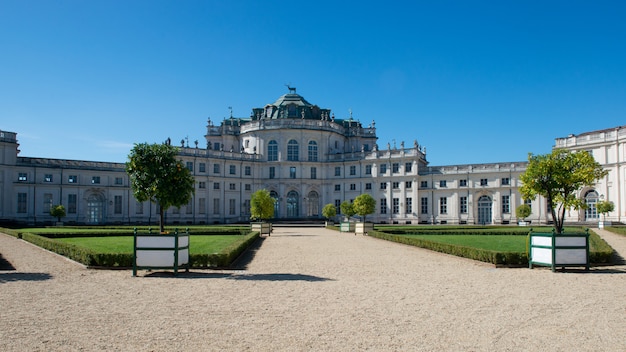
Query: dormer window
point(292, 111)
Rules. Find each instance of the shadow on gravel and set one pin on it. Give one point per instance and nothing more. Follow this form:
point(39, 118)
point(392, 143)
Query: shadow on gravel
point(5, 265)
point(279, 277)
point(13, 277)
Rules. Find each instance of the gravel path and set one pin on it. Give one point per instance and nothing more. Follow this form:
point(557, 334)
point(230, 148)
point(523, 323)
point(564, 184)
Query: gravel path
point(311, 289)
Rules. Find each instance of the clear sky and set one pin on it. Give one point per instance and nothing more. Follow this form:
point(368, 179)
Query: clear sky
point(472, 81)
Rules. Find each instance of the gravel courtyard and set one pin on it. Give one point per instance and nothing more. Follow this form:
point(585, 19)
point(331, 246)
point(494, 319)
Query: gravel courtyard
point(311, 289)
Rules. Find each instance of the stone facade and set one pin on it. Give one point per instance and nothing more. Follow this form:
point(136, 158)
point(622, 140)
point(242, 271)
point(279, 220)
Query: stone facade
point(306, 158)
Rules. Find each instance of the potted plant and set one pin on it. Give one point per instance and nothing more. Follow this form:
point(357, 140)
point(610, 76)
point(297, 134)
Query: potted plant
point(523, 211)
point(329, 212)
point(363, 206)
point(261, 209)
point(604, 207)
point(348, 211)
point(58, 211)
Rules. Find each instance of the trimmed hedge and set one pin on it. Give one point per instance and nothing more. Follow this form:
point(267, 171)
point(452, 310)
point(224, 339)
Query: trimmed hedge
point(88, 257)
point(600, 251)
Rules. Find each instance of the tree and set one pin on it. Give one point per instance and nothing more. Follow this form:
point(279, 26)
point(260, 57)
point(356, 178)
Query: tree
point(329, 211)
point(523, 211)
point(364, 205)
point(347, 209)
point(261, 205)
point(58, 211)
point(156, 175)
point(604, 207)
point(557, 176)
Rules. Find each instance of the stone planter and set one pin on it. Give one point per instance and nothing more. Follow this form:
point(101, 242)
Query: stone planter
point(564, 250)
point(329, 223)
point(346, 226)
point(161, 251)
point(522, 223)
point(363, 228)
point(264, 228)
point(603, 224)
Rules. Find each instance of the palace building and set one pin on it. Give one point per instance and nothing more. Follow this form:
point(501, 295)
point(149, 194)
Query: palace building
point(305, 158)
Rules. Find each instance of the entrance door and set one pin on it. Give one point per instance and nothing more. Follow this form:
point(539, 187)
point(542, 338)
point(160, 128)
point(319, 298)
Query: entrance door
point(484, 210)
point(95, 208)
point(274, 195)
point(292, 204)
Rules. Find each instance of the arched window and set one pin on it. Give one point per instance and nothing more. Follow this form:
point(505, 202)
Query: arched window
point(274, 195)
point(312, 151)
point(484, 210)
point(272, 151)
point(292, 150)
point(313, 204)
point(95, 208)
point(591, 199)
point(292, 204)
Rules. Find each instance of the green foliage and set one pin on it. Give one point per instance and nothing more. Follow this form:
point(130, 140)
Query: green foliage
point(58, 211)
point(523, 211)
point(347, 209)
point(604, 207)
point(329, 211)
point(557, 176)
point(261, 205)
point(364, 205)
point(156, 175)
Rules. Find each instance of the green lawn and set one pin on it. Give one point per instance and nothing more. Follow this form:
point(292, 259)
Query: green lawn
point(501, 243)
point(124, 244)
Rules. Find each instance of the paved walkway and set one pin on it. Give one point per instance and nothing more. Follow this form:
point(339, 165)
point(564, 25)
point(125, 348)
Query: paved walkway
point(311, 289)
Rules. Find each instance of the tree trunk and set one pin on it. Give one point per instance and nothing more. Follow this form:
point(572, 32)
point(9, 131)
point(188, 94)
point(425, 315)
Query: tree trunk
point(161, 224)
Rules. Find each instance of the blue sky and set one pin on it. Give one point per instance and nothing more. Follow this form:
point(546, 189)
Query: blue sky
point(472, 81)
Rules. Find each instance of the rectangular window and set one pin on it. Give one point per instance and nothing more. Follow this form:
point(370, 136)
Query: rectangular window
point(232, 187)
point(395, 168)
point(408, 184)
point(506, 207)
point(395, 185)
point(409, 205)
point(216, 185)
point(21, 203)
point(368, 186)
point(272, 172)
point(337, 171)
point(383, 169)
point(506, 181)
point(72, 179)
point(395, 205)
point(383, 185)
point(463, 183)
point(231, 206)
point(292, 172)
point(202, 206)
point(119, 181)
point(248, 187)
point(71, 203)
point(352, 170)
point(232, 169)
point(47, 202)
point(22, 176)
point(248, 171)
point(117, 205)
point(246, 207)
point(443, 205)
point(424, 205)
point(95, 180)
point(138, 208)
point(463, 205)
point(423, 184)
point(202, 167)
point(47, 178)
point(383, 205)
point(338, 206)
point(408, 167)
point(313, 173)
point(337, 188)
point(216, 168)
point(189, 165)
point(368, 169)
point(530, 203)
point(216, 206)
point(353, 186)
point(217, 146)
point(443, 183)
point(483, 182)
point(201, 185)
